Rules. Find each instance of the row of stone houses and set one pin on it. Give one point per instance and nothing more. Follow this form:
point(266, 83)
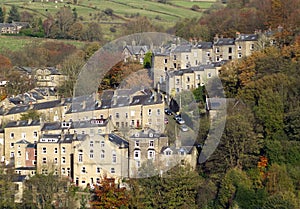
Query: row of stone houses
point(12, 28)
point(188, 66)
point(72, 127)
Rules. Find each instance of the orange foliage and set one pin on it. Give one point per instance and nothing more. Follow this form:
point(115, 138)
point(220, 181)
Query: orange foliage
point(109, 195)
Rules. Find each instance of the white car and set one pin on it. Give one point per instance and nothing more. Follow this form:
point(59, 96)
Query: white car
point(180, 121)
point(183, 128)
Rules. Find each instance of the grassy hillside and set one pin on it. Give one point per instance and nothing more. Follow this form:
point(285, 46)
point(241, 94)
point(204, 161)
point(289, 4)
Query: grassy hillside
point(88, 10)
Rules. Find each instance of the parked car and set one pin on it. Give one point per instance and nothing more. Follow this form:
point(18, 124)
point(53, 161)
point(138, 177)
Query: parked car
point(168, 111)
point(180, 121)
point(183, 128)
point(176, 117)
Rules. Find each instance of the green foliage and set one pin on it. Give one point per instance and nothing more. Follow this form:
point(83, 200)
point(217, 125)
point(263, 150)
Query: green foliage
point(148, 60)
point(7, 188)
point(2, 15)
point(177, 188)
point(13, 15)
point(30, 114)
point(199, 94)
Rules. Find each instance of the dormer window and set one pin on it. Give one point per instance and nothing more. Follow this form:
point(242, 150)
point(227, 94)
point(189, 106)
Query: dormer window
point(66, 124)
point(150, 135)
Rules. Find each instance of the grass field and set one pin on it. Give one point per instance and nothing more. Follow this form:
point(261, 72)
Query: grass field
point(15, 43)
point(169, 13)
point(165, 15)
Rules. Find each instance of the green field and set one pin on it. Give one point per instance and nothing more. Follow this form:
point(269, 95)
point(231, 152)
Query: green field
point(15, 43)
point(168, 13)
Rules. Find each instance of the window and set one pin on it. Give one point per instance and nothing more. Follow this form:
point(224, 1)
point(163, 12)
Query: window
point(26, 156)
point(208, 54)
point(12, 135)
point(149, 112)
point(55, 160)
point(12, 145)
point(132, 113)
point(12, 154)
point(35, 134)
point(158, 111)
point(251, 46)
point(198, 77)
point(102, 144)
point(217, 49)
point(174, 57)
point(177, 89)
point(63, 160)
point(44, 160)
point(99, 131)
point(188, 86)
point(151, 143)
point(102, 155)
point(114, 157)
point(187, 57)
point(174, 65)
point(91, 143)
point(112, 170)
point(177, 80)
point(91, 154)
point(63, 171)
point(168, 153)
point(80, 157)
point(239, 55)
point(188, 79)
point(98, 170)
point(83, 169)
point(126, 115)
point(19, 153)
point(151, 154)
point(44, 150)
point(132, 122)
point(138, 164)
point(166, 61)
point(118, 124)
point(63, 150)
point(137, 143)
point(239, 47)
point(230, 50)
point(117, 115)
point(23, 135)
point(161, 78)
point(137, 154)
point(230, 57)
point(208, 75)
point(55, 150)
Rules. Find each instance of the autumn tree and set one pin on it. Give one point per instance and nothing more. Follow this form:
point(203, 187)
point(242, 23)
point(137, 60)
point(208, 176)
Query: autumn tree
point(71, 67)
point(13, 14)
point(109, 195)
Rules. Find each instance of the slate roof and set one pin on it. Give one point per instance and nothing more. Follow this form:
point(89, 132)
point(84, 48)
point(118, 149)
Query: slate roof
point(22, 123)
point(19, 178)
point(204, 45)
point(177, 151)
point(247, 37)
point(74, 125)
point(183, 48)
point(224, 41)
point(118, 140)
point(134, 50)
point(18, 109)
point(46, 105)
point(22, 141)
